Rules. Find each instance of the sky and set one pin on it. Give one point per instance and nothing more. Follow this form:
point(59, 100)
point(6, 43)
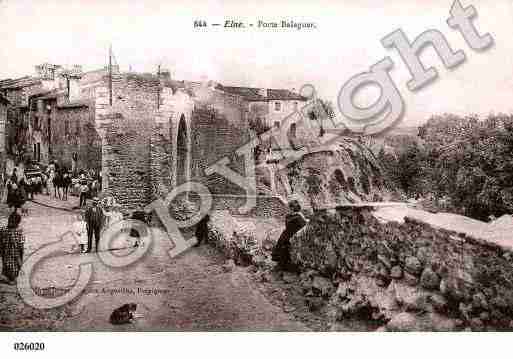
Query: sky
point(346, 42)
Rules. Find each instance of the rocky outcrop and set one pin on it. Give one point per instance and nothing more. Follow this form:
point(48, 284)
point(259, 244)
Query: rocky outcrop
point(407, 276)
point(345, 171)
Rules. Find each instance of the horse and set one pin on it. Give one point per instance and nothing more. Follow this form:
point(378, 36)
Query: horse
point(66, 184)
point(57, 184)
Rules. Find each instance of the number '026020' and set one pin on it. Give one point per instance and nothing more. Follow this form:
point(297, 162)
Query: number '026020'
point(29, 346)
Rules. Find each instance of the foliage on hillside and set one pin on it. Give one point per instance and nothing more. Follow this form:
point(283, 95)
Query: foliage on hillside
point(464, 161)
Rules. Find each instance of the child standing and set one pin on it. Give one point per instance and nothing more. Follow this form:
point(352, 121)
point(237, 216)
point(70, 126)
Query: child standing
point(80, 230)
point(84, 188)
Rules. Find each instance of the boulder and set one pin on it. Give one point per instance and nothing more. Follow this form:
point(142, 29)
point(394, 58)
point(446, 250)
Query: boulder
point(314, 303)
point(479, 301)
point(363, 296)
point(465, 311)
point(429, 279)
point(385, 261)
point(322, 286)
point(403, 322)
point(289, 277)
point(455, 289)
point(396, 272)
point(409, 322)
point(229, 266)
point(410, 279)
point(412, 265)
point(439, 303)
point(411, 299)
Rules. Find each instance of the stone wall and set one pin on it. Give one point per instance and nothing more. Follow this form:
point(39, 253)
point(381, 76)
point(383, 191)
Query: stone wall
point(407, 276)
point(127, 127)
point(74, 132)
point(266, 206)
point(215, 136)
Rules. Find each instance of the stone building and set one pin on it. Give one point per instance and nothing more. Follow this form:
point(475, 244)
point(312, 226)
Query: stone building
point(146, 133)
point(267, 107)
point(18, 91)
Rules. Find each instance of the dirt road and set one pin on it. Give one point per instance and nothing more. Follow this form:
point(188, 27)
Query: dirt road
point(190, 292)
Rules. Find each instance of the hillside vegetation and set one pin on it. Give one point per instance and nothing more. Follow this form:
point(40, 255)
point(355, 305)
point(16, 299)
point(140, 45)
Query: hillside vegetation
point(464, 163)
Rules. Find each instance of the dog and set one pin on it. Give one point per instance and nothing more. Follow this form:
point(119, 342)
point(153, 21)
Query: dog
point(123, 314)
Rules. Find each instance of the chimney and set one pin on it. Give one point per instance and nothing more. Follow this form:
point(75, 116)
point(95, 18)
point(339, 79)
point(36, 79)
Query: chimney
point(73, 76)
point(47, 73)
point(165, 74)
point(262, 92)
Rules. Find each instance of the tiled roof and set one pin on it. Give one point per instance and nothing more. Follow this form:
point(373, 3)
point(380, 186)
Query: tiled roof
point(19, 82)
point(254, 94)
point(52, 94)
point(75, 104)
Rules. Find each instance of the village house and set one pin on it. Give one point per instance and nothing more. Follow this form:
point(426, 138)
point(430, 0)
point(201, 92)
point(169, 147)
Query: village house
point(267, 107)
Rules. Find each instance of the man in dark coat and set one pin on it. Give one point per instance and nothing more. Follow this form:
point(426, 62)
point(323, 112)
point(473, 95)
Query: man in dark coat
point(95, 219)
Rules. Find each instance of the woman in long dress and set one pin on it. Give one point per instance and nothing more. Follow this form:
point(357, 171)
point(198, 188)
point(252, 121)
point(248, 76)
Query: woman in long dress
point(294, 221)
point(11, 247)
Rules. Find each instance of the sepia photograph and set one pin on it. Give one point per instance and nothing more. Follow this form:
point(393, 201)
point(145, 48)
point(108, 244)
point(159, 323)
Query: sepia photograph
point(315, 167)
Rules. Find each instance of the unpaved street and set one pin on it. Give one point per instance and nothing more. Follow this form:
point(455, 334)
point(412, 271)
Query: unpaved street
point(191, 292)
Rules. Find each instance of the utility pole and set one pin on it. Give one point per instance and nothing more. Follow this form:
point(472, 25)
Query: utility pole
point(158, 90)
point(110, 75)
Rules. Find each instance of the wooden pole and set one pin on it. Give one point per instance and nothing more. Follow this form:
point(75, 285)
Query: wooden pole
point(158, 90)
point(110, 75)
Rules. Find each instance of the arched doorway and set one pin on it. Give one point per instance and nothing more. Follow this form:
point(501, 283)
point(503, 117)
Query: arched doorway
point(182, 153)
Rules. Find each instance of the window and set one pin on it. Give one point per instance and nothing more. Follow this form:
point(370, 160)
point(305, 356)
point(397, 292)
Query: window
point(295, 105)
point(37, 152)
point(66, 127)
point(277, 124)
point(277, 106)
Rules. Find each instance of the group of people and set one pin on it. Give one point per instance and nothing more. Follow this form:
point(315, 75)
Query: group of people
point(87, 186)
point(91, 222)
point(18, 189)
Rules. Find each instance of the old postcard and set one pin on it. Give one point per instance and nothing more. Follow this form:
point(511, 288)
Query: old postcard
point(324, 166)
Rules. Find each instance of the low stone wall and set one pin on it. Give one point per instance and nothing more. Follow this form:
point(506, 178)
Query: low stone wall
point(407, 276)
point(266, 206)
point(235, 239)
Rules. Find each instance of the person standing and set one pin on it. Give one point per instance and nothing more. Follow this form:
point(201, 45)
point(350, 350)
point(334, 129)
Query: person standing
point(80, 230)
point(13, 194)
point(294, 221)
point(94, 219)
point(11, 247)
point(84, 188)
